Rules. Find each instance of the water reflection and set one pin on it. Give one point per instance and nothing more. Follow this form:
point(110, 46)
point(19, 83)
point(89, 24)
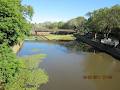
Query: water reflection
point(78, 46)
point(103, 65)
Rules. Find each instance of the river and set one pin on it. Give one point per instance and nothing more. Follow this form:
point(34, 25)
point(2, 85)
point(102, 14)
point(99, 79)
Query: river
point(75, 67)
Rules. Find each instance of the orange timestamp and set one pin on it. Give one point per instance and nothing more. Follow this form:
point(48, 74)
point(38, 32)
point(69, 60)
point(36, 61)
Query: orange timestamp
point(97, 77)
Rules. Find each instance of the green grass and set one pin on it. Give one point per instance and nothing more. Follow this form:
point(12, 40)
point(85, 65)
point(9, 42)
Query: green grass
point(60, 37)
point(52, 37)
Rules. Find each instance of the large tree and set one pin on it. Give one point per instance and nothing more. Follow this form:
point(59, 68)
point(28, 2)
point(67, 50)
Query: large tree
point(13, 21)
point(105, 19)
point(76, 24)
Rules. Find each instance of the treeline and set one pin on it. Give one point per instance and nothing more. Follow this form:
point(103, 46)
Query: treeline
point(48, 25)
point(104, 22)
point(71, 24)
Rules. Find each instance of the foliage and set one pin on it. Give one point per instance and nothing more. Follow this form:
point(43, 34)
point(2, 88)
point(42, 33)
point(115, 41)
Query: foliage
point(13, 23)
point(23, 74)
point(105, 19)
point(9, 65)
point(76, 23)
point(30, 76)
point(48, 25)
point(20, 74)
point(27, 11)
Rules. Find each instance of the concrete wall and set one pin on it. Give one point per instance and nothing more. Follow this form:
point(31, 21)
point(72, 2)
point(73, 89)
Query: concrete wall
point(17, 47)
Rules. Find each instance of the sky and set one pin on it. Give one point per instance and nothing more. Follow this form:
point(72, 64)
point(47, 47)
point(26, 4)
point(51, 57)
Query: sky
point(63, 10)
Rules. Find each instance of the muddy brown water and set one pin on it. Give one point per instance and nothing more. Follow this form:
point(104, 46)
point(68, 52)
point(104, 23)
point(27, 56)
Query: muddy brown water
point(73, 69)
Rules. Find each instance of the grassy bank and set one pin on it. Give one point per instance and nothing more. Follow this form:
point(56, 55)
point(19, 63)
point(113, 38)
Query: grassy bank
point(52, 37)
point(60, 37)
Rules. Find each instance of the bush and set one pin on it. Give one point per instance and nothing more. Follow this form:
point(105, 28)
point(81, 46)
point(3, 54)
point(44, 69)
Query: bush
point(13, 23)
point(9, 66)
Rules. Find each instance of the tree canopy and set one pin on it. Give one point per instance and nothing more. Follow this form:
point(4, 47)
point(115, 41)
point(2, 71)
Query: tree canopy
point(48, 25)
point(105, 19)
point(75, 23)
point(13, 21)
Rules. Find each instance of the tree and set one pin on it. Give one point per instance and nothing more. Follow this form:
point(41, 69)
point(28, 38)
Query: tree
point(76, 24)
point(13, 21)
point(60, 25)
point(13, 27)
point(105, 20)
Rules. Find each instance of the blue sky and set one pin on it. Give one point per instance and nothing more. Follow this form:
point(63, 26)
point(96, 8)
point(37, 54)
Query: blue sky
point(63, 10)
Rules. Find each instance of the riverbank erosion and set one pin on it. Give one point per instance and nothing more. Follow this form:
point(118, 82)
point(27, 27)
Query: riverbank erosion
point(115, 52)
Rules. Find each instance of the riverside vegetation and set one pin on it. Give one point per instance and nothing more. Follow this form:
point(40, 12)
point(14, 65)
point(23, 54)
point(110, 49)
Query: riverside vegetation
point(17, 73)
point(20, 73)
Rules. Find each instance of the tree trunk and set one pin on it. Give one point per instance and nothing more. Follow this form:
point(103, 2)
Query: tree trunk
point(95, 36)
point(108, 33)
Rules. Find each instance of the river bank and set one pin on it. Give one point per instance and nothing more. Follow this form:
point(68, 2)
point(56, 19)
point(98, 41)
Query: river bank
point(115, 52)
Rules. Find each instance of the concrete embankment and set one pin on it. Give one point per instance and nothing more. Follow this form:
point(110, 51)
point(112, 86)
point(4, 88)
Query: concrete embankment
point(115, 52)
point(17, 47)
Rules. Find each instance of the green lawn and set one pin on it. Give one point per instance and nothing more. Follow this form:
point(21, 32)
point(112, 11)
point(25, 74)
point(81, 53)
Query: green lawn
point(60, 37)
